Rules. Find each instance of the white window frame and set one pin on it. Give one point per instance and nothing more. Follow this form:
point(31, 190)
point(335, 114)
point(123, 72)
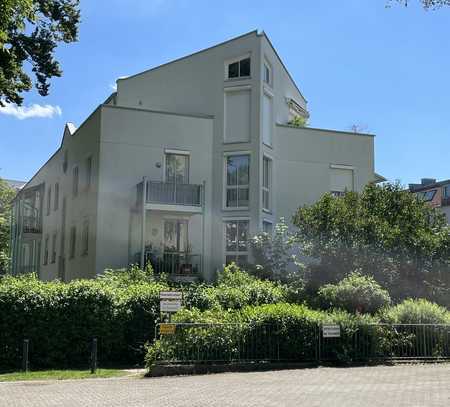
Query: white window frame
point(267, 189)
point(267, 221)
point(224, 243)
point(238, 59)
point(225, 183)
point(168, 151)
point(268, 66)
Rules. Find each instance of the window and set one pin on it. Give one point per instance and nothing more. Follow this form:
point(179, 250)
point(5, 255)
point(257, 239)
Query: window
point(267, 74)
point(49, 200)
point(65, 161)
point(88, 172)
point(267, 125)
point(267, 184)
point(236, 241)
point(239, 68)
point(427, 196)
point(75, 181)
point(446, 191)
point(177, 168)
point(85, 239)
point(54, 248)
point(341, 179)
point(56, 203)
point(46, 250)
point(237, 181)
point(72, 242)
point(267, 227)
point(175, 235)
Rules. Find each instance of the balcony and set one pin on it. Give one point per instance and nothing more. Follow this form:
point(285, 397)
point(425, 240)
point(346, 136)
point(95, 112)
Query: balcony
point(31, 224)
point(171, 196)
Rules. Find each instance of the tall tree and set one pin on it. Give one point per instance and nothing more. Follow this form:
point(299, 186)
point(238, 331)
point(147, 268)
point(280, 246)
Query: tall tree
point(30, 30)
point(384, 232)
point(6, 195)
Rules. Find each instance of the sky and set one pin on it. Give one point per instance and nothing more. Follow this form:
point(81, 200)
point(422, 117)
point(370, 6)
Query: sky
point(355, 61)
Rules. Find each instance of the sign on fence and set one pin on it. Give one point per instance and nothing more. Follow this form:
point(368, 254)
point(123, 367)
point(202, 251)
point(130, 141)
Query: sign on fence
point(169, 306)
point(167, 329)
point(331, 331)
point(171, 295)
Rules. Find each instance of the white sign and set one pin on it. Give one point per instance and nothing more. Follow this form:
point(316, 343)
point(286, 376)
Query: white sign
point(331, 331)
point(171, 295)
point(169, 306)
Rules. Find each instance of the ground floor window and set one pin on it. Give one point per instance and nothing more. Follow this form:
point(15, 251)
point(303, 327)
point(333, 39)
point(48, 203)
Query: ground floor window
point(236, 241)
point(175, 235)
point(267, 227)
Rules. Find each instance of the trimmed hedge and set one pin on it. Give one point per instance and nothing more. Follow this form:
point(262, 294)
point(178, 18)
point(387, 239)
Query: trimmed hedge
point(60, 321)
point(417, 311)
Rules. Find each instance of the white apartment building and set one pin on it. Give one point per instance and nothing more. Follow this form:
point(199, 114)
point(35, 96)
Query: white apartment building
point(180, 167)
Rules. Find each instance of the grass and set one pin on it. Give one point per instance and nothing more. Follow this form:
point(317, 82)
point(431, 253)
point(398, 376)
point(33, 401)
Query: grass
point(60, 375)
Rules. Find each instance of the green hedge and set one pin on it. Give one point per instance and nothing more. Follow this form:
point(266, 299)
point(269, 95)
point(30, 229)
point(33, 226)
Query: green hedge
point(417, 311)
point(61, 319)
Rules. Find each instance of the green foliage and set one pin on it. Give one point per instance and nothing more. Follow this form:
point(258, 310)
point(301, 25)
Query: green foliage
point(61, 319)
point(275, 254)
point(384, 232)
point(29, 32)
point(298, 121)
point(355, 294)
point(6, 195)
point(417, 311)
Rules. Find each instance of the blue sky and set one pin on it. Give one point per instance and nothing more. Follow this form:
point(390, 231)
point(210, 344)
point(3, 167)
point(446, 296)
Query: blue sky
point(354, 60)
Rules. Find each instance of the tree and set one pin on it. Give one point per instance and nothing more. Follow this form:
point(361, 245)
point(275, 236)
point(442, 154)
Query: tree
point(427, 4)
point(384, 232)
point(29, 32)
point(6, 195)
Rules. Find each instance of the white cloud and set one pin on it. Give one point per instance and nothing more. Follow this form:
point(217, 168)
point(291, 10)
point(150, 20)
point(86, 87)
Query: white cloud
point(35, 110)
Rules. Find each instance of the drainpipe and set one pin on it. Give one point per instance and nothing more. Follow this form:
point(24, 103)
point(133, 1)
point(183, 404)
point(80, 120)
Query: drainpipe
point(144, 199)
point(203, 227)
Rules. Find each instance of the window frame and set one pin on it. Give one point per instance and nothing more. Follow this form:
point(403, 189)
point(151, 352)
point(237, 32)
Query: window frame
point(88, 175)
point(56, 197)
point(54, 242)
point(238, 186)
point(185, 154)
point(49, 200)
point(46, 244)
point(85, 238)
point(267, 222)
point(238, 60)
point(267, 68)
point(75, 180)
point(235, 253)
point(72, 242)
point(266, 190)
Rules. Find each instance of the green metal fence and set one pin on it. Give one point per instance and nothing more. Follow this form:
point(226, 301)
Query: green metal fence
point(224, 343)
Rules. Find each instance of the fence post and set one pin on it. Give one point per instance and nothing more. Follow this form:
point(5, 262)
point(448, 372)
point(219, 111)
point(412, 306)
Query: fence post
point(94, 355)
point(25, 351)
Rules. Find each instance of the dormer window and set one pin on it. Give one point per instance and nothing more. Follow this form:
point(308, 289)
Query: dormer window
point(239, 68)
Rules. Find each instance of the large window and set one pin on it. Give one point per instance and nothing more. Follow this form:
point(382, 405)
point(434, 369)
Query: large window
point(267, 184)
point(88, 172)
point(236, 241)
point(49, 200)
point(175, 235)
point(75, 181)
point(341, 180)
point(427, 196)
point(85, 239)
point(239, 68)
point(72, 242)
point(177, 168)
point(237, 181)
point(53, 260)
point(56, 203)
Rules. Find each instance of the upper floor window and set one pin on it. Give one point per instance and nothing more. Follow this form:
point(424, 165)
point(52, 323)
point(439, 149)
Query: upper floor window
point(239, 68)
point(88, 172)
point(267, 74)
point(446, 191)
point(75, 181)
point(177, 168)
point(65, 161)
point(46, 250)
point(56, 203)
point(53, 260)
point(267, 184)
point(237, 181)
point(85, 239)
point(49, 200)
point(427, 196)
point(341, 179)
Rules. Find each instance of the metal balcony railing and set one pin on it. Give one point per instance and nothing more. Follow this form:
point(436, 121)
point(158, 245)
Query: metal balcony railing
point(31, 224)
point(174, 194)
point(173, 263)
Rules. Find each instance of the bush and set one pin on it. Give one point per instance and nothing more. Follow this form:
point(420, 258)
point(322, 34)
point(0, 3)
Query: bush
point(417, 311)
point(355, 293)
point(61, 319)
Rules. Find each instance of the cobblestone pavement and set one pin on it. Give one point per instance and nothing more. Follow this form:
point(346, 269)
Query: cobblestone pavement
point(406, 385)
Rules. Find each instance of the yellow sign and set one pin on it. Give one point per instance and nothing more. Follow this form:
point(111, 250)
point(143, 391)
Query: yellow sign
point(167, 329)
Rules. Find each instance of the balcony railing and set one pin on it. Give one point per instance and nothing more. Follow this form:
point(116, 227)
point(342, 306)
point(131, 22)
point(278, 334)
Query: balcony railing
point(174, 263)
point(31, 224)
point(174, 194)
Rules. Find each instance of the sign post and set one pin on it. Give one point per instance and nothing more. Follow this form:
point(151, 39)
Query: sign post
point(170, 302)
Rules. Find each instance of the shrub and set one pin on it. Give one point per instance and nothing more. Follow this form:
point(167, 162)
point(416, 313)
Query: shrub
point(355, 293)
point(417, 311)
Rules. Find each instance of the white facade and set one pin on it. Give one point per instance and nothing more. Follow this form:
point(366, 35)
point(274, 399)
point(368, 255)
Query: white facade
point(187, 161)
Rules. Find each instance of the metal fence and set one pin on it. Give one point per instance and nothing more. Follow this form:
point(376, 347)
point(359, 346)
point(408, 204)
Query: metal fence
point(173, 193)
point(222, 343)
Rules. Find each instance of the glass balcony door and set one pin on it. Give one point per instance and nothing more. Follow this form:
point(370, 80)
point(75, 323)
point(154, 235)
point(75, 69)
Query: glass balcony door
point(177, 168)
